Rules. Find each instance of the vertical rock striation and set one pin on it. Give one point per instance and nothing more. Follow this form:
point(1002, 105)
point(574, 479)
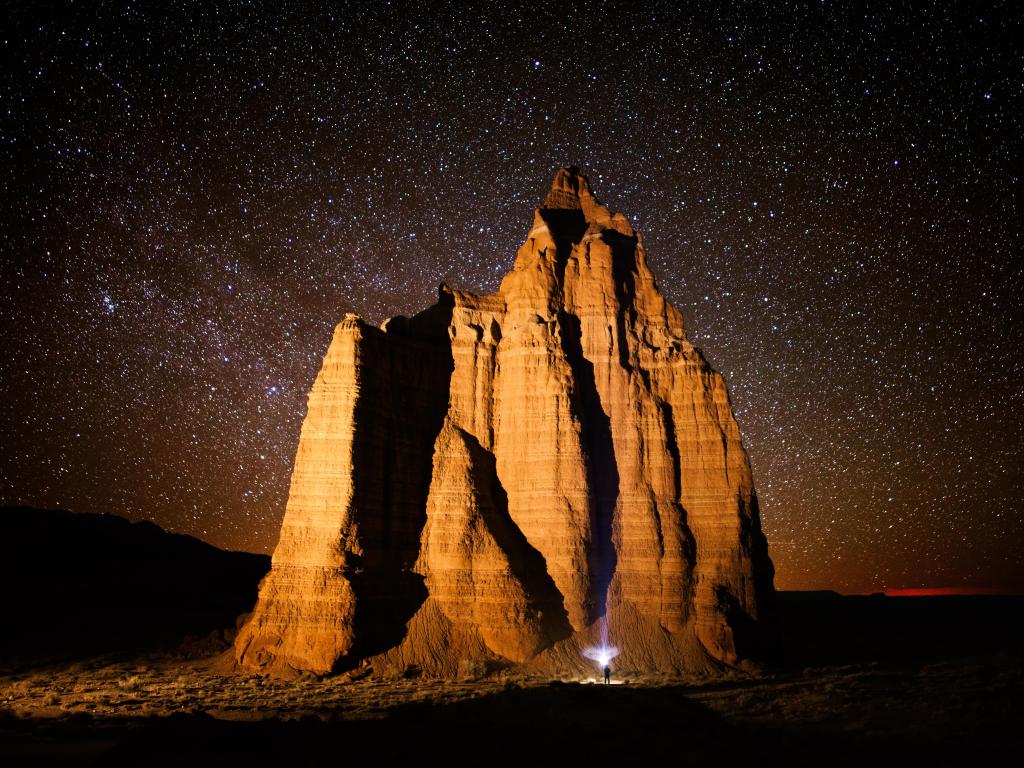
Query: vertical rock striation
point(505, 478)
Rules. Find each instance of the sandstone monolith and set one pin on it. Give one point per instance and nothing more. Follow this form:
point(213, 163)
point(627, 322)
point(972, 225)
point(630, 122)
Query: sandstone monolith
point(508, 479)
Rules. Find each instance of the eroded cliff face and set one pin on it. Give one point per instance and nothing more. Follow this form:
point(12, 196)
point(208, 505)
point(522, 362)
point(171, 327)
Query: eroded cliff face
point(506, 478)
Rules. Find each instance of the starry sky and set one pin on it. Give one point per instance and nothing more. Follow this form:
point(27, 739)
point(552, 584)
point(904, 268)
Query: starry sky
point(195, 193)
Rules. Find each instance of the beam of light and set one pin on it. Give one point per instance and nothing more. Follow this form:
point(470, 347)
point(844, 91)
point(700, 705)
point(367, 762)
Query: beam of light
point(602, 655)
point(604, 652)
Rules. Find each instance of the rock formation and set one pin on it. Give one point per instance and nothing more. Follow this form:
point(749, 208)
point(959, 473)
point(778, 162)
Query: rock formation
point(507, 479)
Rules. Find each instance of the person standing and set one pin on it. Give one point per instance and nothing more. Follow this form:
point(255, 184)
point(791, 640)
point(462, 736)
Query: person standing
point(607, 674)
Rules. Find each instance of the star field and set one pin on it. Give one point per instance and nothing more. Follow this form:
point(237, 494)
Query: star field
point(195, 195)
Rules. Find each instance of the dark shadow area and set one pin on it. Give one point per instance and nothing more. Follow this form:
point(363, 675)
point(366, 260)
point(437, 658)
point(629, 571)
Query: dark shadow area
point(404, 387)
point(527, 564)
point(829, 629)
point(890, 691)
point(567, 226)
point(689, 542)
point(672, 445)
point(558, 724)
point(75, 585)
point(746, 632)
point(765, 637)
point(602, 468)
point(623, 275)
point(754, 637)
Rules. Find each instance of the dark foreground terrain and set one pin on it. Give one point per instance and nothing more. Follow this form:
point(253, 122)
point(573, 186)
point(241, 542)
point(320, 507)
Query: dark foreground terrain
point(891, 681)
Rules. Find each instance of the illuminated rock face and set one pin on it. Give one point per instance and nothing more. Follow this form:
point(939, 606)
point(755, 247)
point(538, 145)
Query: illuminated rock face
point(506, 478)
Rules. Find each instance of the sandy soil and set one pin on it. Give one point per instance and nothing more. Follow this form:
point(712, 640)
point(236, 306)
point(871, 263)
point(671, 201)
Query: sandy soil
point(165, 710)
point(857, 679)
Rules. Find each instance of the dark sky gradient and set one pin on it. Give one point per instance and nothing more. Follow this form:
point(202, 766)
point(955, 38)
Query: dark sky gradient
point(193, 198)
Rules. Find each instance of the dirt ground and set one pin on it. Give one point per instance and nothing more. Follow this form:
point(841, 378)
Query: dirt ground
point(167, 710)
point(856, 680)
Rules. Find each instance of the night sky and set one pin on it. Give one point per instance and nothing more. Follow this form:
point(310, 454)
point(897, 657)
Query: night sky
point(193, 198)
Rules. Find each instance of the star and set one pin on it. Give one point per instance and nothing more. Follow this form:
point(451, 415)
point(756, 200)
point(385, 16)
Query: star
point(830, 197)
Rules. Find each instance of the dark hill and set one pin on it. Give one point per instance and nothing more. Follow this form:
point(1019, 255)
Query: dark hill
point(828, 629)
point(76, 584)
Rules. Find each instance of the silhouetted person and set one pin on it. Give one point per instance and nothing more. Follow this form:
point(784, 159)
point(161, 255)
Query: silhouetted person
point(607, 674)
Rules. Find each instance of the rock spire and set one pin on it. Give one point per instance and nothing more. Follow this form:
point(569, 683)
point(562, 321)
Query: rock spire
point(513, 477)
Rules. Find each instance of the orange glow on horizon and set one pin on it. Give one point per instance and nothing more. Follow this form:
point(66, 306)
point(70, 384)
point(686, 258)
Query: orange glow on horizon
point(941, 591)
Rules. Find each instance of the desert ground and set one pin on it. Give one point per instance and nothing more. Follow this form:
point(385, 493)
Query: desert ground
point(113, 632)
point(897, 701)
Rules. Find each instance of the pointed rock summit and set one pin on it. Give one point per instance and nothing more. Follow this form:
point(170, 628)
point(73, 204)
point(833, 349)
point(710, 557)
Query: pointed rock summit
point(510, 479)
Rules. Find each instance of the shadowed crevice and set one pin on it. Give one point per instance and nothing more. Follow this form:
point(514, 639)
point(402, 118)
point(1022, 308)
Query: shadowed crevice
point(602, 468)
point(764, 635)
point(567, 227)
point(623, 276)
point(671, 443)
point(404, 386)
point(754, 633)
point(688, 542)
